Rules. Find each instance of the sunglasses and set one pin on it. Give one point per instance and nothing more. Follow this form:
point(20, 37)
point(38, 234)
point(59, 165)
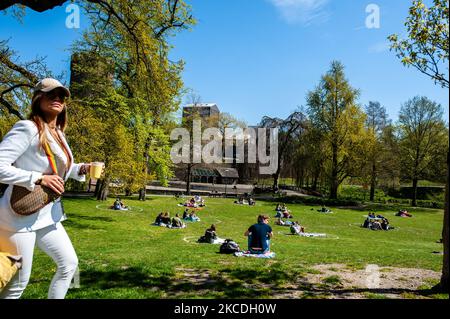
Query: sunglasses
point(53, 95)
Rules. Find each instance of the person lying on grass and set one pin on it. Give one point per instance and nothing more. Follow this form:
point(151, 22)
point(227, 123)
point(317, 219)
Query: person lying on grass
point(296, 228)
point(259, 236)
point(280, 222)
point(403, 213)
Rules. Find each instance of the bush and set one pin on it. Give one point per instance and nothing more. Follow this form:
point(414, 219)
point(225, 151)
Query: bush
point(423, 192)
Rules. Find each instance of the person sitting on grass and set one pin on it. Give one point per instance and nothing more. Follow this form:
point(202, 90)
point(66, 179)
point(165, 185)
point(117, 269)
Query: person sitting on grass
point(259, 236)
point(278, 208)
point(176, 222)
point(192, 217)
point(287, 214)
point(186, 213)
point(119, 205)
point(296, 228)
point(251, 201)
point(159, 219)
point(385, 224)
point(210, 235)
point(166, 220)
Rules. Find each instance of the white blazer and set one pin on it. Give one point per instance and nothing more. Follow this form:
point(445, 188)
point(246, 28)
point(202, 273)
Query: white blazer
point(22, 163)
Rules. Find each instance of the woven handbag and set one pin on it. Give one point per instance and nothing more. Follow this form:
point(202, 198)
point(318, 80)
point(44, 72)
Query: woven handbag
point(25, 202)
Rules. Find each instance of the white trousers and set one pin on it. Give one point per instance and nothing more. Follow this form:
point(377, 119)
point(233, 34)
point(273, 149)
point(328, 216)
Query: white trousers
point(54, 241)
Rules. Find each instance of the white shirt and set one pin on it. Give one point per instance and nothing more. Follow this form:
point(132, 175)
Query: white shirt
point(22, 163)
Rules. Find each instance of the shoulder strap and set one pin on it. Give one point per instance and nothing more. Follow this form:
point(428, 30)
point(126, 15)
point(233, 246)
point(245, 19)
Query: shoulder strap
point(51, 158)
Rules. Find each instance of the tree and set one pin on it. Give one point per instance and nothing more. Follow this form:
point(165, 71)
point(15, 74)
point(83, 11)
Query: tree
point(289, 130)
point(333, 111)
point(126, 108)
point(426, 48)
point(17, 79)
point(375, 124)
point(422, 138)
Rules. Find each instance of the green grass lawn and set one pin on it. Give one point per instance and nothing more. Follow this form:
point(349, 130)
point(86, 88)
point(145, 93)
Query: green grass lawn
point(122, 256)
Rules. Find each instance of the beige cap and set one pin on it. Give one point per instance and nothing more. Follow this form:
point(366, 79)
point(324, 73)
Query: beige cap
point(48, 84)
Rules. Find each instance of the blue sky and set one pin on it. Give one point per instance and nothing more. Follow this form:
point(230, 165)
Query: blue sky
point(261, 57)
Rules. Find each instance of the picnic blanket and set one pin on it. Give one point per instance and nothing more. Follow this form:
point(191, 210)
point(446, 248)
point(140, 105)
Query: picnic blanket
point(311, 235)
point(218, 241)
point(248, 254)
point(168, 226)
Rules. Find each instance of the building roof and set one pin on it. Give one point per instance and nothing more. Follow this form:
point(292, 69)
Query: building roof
point(201, 105)
point(204, 172)
point(228, 172)
point(213, 106)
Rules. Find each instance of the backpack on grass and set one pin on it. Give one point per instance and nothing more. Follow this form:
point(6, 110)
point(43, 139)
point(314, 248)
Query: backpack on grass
point(229, 247)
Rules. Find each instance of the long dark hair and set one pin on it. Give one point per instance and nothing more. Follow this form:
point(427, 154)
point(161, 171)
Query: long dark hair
point(37, 116)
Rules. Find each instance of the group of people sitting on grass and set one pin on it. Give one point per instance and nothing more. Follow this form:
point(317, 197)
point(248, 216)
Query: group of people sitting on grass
point(194, 202)
point(258, 234)
point(282, 211)
point(378, 222)
point(164, 220)
point(403, 213)
point(119, 205)
point(324, 210)
point(190, 216)
point(247, 200)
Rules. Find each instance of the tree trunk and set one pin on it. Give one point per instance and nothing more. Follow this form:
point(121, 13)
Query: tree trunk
point(97, 187)
point(373, 183)
point(445, 239)
point(103, 190)
point(315, 180)
point(414, 195)
point(334, 175)
point(276, 177)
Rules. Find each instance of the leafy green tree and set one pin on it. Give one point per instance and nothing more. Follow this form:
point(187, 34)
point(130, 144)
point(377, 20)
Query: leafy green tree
point(376, 122)
point(334, 112)
point(426, 48)
point(422, 138)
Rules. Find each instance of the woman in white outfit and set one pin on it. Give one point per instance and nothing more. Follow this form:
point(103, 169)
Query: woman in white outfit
point(23, 162)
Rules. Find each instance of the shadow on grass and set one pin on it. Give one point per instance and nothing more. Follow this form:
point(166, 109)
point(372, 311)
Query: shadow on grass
point(236, 283)
point(228, 284)
point(393, 208)
point(76, 221)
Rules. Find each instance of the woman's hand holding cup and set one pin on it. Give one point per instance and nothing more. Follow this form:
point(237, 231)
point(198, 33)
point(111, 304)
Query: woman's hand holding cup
point(96, 169)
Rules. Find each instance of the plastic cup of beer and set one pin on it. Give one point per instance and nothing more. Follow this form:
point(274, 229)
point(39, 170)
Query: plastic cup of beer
point(96, 169)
